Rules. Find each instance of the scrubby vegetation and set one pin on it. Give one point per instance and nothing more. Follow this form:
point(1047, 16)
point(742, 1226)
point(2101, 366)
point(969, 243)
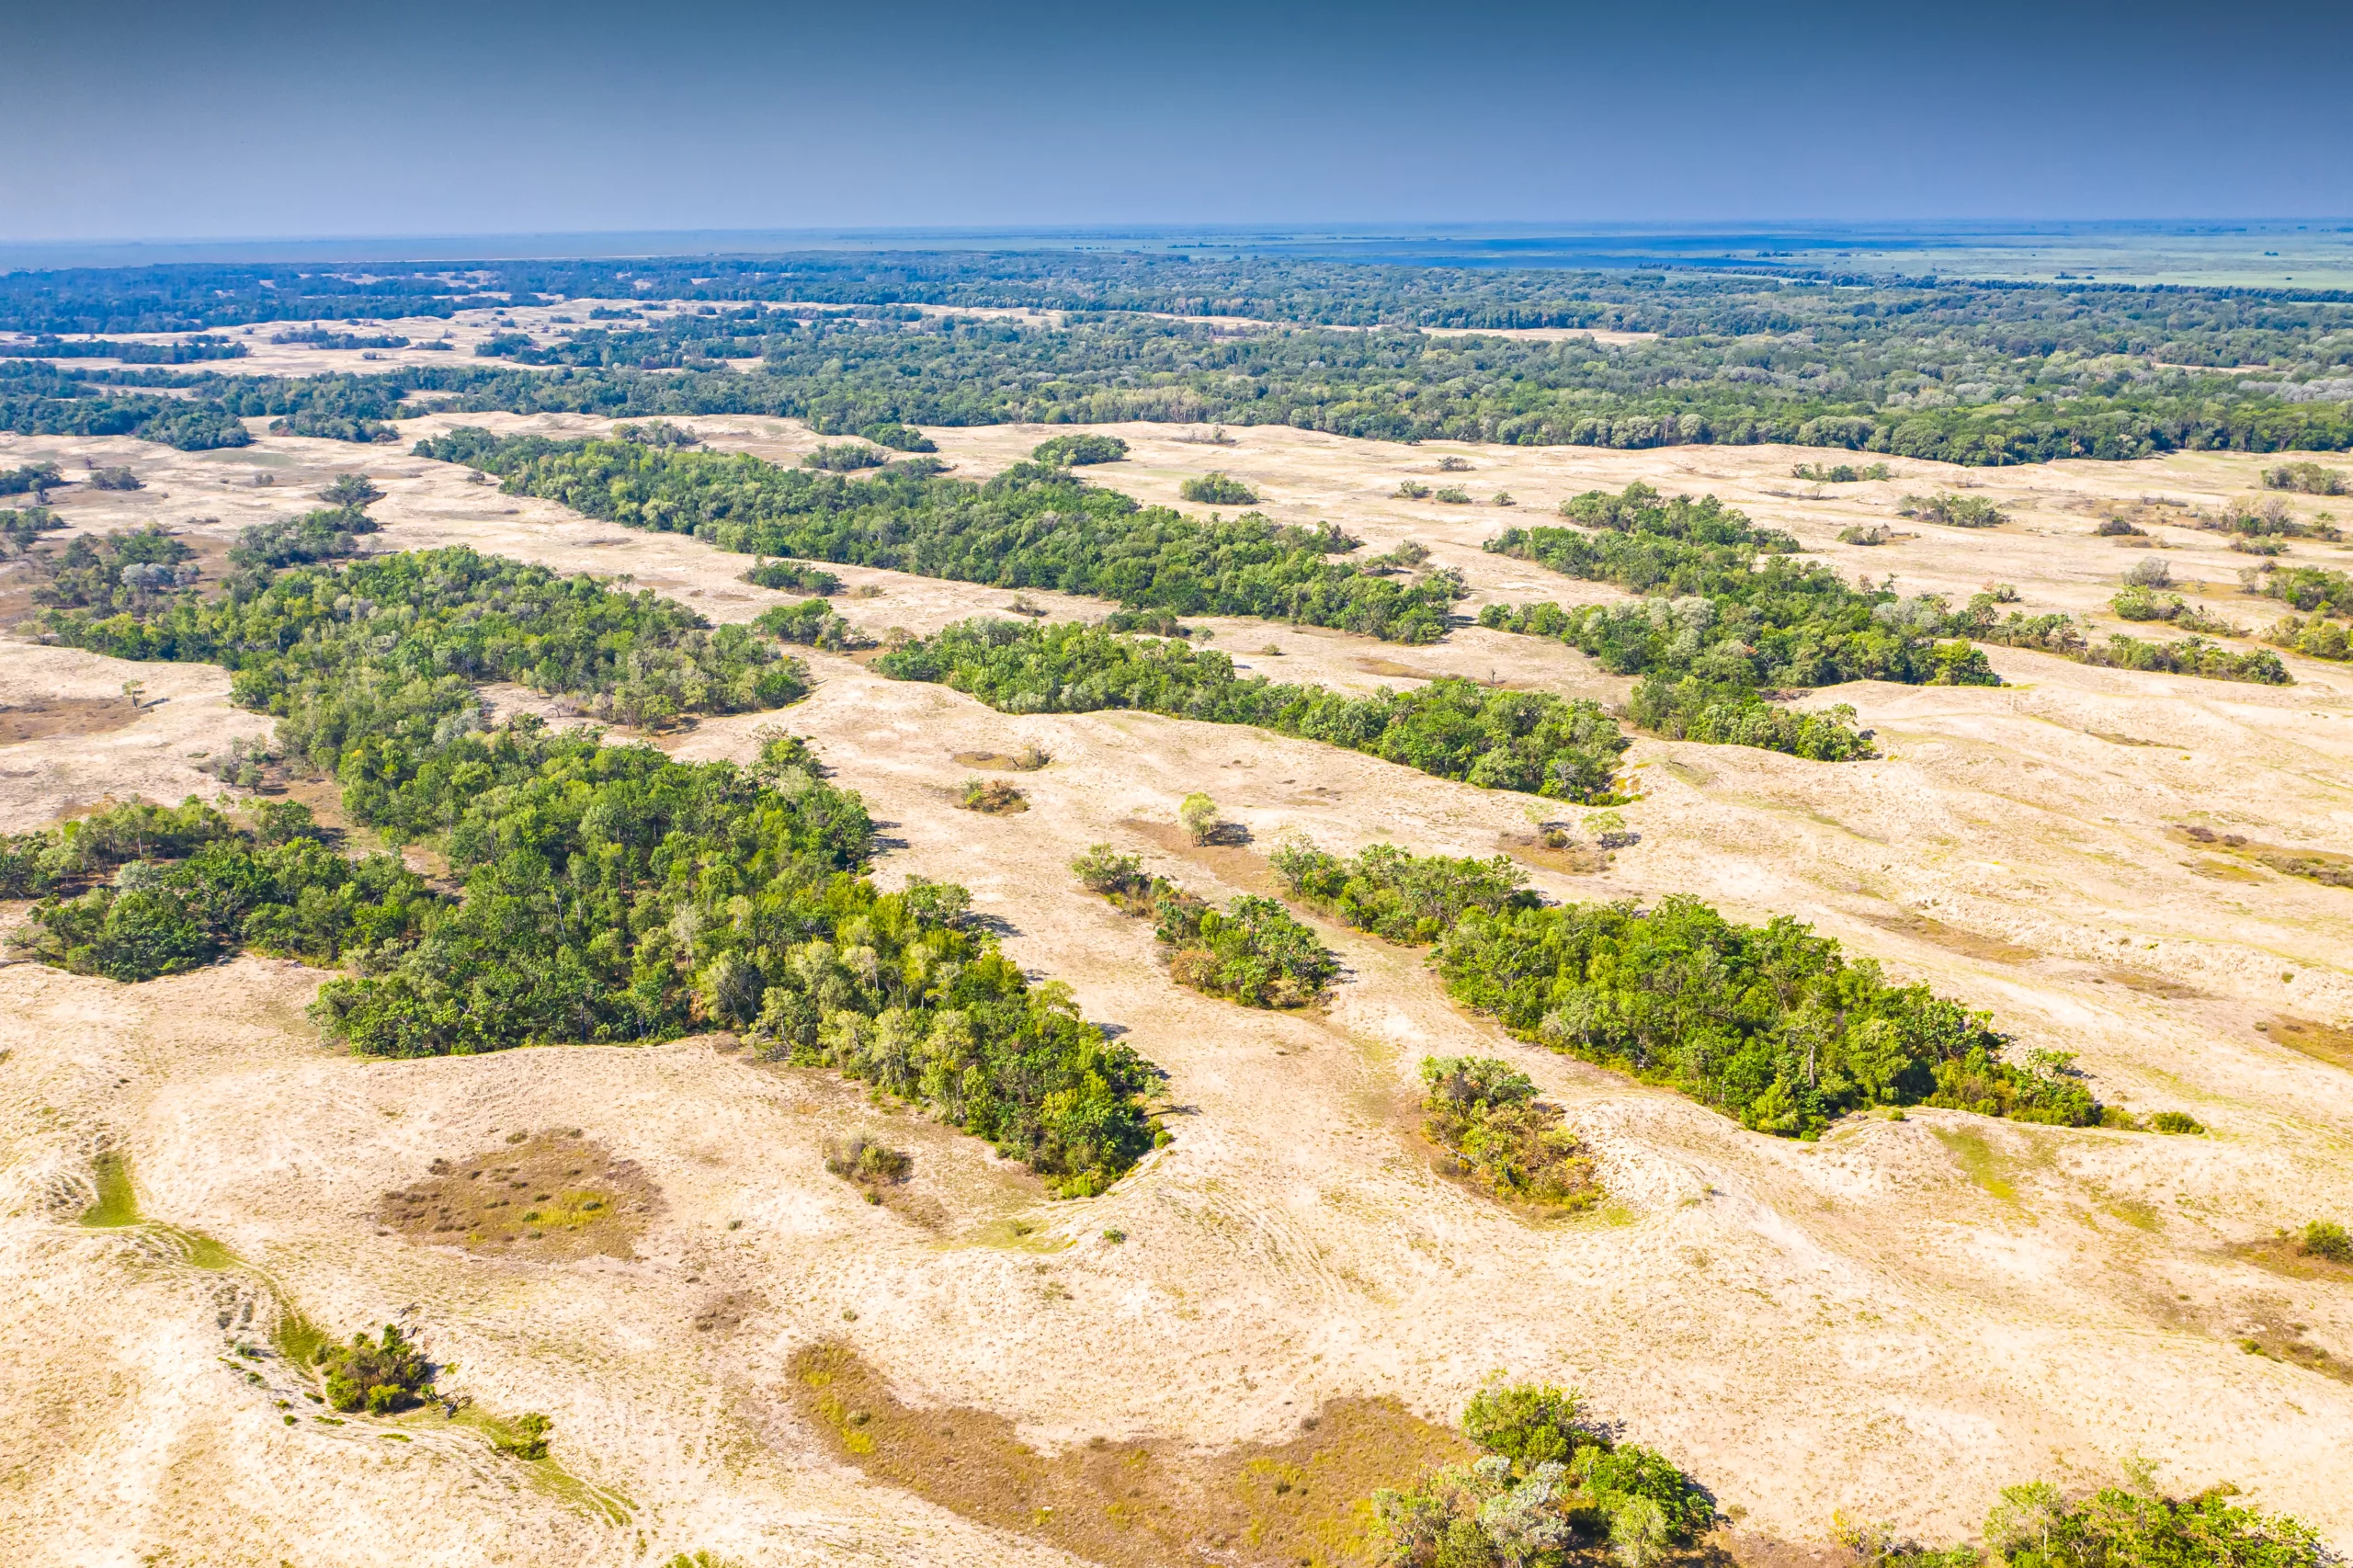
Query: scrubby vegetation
point(382, 1376)
point(991, 797)
point(1876, 533)
point(1393, 895)
point(1954, 511)
point(2325, 1238)
point(793, 576)
point(899, 437)
point(1485, 1113)
point(844, 456)
point(1840, 473)
point(2137, 603)
point(610, 894)
point(130, 570)
point(1726, 616)
point(2309, 477)
point(1549, 1486)
point(1077, 451)
point(1217, 490)
point(867, 1162)
point(1454, 729)
point(1030, 527)
point(1253, 952)
point(1769, 1024)
point(811, 623)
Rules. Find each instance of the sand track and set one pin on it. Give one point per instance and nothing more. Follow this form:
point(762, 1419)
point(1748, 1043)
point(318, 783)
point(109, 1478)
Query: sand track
point(1895, 1321)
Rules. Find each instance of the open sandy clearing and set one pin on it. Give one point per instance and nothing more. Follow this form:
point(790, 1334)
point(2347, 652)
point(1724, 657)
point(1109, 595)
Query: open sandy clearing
point(1895, 1321)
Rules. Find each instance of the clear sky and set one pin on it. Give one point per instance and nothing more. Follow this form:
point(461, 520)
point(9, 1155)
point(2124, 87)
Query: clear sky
point(137, 118)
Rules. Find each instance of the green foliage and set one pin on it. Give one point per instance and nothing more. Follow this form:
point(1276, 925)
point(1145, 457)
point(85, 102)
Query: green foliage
point(1197, 814)
point(1078, 451)
point(2175, 1123)
point(900, 438)
point(2312, 590)
point(812, 624)
point(129, 571)
point(844, 456)
point(1030, 527)
point(1547, 1488)
point(526, 1437)
point(1455, 729)
point(1840, 473)
point(1400, 896)
point(36, 479)
point(1217, 490)
point(2316, 638)
point(351, 492)
point(381, 1375)
point(1954, 511)
point(115, 479)
point(1485, 1112)
point(859, 1158)
point(2142, 604)
point(2189, 656)
point(2036, 1525)
point(1253, 952)
point(1769, 1024)
point(610, 893)
point(794, 577)
point(21, 527)
point(389, 647)
point(189, 887)
point(324, 535)
point(2309, 477)
point(2324, 1238)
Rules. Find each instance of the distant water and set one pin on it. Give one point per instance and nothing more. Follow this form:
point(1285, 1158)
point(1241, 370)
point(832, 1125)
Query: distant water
point(2270, 254)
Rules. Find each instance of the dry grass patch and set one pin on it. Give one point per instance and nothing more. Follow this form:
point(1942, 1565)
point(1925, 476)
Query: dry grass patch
point(1953, 938)
point(1029, 759)
point(1140, 1502)
point(548, 1197)
point(1552, 848)
point(63, 718)
point(2322, 1042)
point(993, 797)
point(2322, 866)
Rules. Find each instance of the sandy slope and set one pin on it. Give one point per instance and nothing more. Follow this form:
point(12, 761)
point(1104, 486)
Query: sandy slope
point(1895, 1321)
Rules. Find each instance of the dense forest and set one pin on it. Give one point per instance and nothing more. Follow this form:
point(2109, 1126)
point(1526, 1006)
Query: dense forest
point(1970, 373)
point(1030, 527)
point(606, 893)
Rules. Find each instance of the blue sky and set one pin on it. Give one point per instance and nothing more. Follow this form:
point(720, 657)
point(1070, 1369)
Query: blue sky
point(142, 120)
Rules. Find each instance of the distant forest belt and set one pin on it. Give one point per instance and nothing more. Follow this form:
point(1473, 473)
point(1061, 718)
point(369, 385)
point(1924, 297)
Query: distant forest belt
point(1961, 373)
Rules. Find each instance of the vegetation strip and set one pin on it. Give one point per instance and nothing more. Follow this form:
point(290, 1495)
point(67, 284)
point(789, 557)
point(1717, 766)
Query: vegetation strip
point(1531, 742)
point(607, 892)
point(1034, 525)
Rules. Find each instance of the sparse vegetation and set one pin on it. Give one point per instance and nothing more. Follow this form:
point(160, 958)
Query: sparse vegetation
point(1453, 728)
point(1485, 1113)
point(993, 796)
point(2308, 477)
point(2140, 604)
point(1875, 533)
point(867, 1162)
point(1769, 1024)
point(1409, 490)
point(1954, 511)
point(1253, 952)
point(115, 479)
point(2117, 528)
point(1840, 473)
point(844, 456)
point(1453, 495)
point(1396, 895)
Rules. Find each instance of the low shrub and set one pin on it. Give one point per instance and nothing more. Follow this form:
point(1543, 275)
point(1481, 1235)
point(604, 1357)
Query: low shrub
point(1253, 952)
point(1485, 1113)
point(811, 623)
point(1408, 489)
point(526, 1437)
point(1954, 511)
point(1217, 490)
point(794, 577)
point(2175, 1122)
point(900, 438)
point(2308, 477)
point(993, 796)
point(2324, 1238)
point(1453, 495)
point(381, 1375)
point(2117, 528)
point(867, 1162)
point(1079, 452)
point(1840, 473)
point(844, 456)
point(1876, 533)
point(115, 479)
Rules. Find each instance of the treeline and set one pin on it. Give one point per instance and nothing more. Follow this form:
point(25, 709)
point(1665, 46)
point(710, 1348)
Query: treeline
point(1726, 614)
point(610, 894)
point(37, 400)
point(1030, 527)
point(1532, 742)
point(1252, 951)
point(187, 351)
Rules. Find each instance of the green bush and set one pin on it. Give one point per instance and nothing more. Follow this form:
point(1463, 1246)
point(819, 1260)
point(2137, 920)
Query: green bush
point(381, 1375)
point(2175, 1123)
point(1217, 490)
point(2326, 1239)
point(1078, 451)
point(1530, 742)
point(812, 624)
point(1954, 511)
point(1253, 952)
point(844, 456)
point(1768, 1024)
point(900, 438)
point(2037, 1526)
point(527, 1438)
point(1402, 897)
point(1546, 1489)
point(795, 575)
point(2309, 477)
point(1485, 1113)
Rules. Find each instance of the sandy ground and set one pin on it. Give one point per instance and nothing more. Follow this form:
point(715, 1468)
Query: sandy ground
point(1895, 1321)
